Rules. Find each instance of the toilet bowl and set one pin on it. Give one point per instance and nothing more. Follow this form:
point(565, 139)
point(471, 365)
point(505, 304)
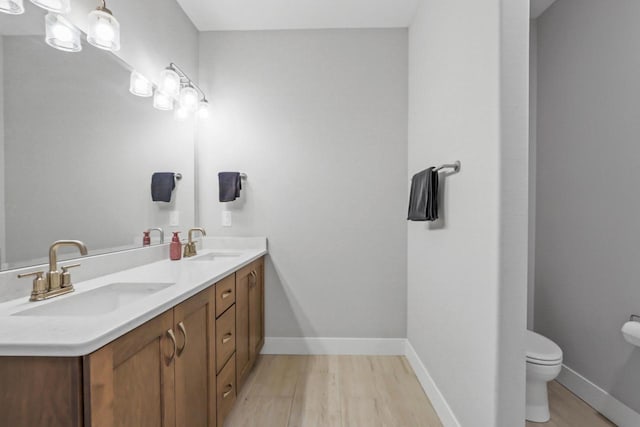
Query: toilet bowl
point(544, 362)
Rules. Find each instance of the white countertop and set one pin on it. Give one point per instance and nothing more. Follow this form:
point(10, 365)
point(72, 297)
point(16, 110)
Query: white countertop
point(80, 335)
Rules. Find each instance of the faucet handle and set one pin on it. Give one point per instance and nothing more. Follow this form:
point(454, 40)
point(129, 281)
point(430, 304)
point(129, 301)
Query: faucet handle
point(39, 285)
point(66, 276)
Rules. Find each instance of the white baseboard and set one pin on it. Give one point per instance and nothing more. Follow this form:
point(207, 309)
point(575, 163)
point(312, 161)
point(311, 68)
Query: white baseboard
point(370, 347)
point(429, 386)
point(355, 346)
point(598, 398)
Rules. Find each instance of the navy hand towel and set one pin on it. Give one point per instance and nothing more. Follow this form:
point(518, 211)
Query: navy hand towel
point(162, 185)
point(423, 198)
point(230, 185)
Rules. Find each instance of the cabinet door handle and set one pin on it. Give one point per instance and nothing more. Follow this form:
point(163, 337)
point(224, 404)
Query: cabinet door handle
point(227, 294)
point(184, 334)
point(175, 345)
point(227, 338)
point(229, 388)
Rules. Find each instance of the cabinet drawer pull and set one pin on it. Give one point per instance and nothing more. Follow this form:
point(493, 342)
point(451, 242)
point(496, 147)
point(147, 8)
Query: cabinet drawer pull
point(227, 338)
point(227, 294)
point(229, 388)
point(175, 345)
point(184, 334)
point(254, 276)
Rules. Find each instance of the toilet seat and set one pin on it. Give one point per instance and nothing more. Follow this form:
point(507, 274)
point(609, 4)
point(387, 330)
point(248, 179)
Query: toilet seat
point(542, 351)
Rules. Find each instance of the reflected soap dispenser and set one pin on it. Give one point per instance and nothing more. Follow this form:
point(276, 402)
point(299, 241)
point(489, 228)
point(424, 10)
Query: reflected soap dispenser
point(146, 239)
point(175, 248)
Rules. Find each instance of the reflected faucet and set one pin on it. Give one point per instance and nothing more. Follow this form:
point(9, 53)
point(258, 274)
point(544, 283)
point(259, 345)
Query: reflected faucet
point(56, 282)
point(161, 231)
point(190, 247)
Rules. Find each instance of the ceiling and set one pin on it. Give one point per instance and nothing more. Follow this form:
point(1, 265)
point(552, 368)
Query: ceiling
point(228, 15)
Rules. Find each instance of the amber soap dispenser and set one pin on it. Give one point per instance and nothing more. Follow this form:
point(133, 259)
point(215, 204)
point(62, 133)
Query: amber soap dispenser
point(175, 249)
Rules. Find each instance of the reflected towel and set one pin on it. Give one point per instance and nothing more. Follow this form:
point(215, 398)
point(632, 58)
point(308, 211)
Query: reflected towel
point(423, 198)
point(230, 185)
point(162, 185)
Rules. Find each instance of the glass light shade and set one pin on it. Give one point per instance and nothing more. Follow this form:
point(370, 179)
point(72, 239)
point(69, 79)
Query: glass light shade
point(139, 85)
point(203, 109)
point(189, 98)
point(61, 34)
point(169, 82)
point(181, 113)
point(162, 101)
point(58, 6)
point(103, 30)
point(12, 7)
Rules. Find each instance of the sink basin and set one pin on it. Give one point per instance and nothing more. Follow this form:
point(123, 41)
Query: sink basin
point(215, 256)
point(99, 301)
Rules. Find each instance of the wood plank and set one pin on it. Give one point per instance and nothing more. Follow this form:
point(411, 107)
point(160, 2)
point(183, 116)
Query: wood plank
point(37, 391)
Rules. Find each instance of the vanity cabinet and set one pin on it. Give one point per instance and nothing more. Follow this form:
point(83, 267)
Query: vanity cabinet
point(182, 368)
point(160, 374)
point(249, 318)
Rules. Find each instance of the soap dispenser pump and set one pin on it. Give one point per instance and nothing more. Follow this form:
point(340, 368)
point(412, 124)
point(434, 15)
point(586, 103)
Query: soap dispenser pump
point(175, 248)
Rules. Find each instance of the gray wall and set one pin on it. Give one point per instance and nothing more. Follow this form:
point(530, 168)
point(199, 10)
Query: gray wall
point(533, 108)
point(80, 151)
point(467, 273)
point(587, 248)
point(318, 121)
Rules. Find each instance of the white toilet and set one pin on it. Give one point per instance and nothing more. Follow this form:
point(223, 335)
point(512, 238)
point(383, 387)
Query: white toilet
point(544, 362)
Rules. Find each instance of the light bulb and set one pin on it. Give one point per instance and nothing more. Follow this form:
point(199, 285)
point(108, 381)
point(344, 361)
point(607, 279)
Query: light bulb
point(203, 109)
point(61, 34)
point(103, 30)
point(169, 82)
point(12, 7)
point(162, 101)
point(58, 6)
point(189, 98)
point(139, 85)
point(181, 113)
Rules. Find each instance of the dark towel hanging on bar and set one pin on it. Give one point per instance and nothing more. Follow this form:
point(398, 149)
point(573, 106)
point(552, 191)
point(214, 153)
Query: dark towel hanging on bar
point(423, 198)
point(230, 184)
point(162, 185)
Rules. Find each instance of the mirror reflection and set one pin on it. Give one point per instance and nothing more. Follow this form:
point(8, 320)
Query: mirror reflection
point(77, 150)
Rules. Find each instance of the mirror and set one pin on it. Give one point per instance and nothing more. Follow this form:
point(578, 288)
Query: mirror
point(77, 150)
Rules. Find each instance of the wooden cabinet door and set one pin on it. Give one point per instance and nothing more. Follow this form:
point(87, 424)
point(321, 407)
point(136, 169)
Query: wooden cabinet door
point(256, 314)
point(195, 374)
point(130, 382)
point(243, 366)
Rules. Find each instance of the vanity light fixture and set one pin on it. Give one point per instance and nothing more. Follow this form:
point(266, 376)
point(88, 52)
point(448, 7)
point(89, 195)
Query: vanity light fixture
point(189, 98)
point(61, 34)
point(57, 6)
point(162, 101)
point(169, 82)
point(12, 7)
point(203, 109)
point(139, 85)
point(103, 29)
point(181, 113)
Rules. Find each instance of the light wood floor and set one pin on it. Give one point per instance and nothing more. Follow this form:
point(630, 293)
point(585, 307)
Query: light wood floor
point(355, 391)
point(332, 391)
point(568, 410)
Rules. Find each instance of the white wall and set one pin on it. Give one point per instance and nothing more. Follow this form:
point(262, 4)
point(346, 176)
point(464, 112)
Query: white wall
point(153, 33)
point(533, 110)
point(467, 273)
point(318, 121)
point(587, 265)
point(2, 168)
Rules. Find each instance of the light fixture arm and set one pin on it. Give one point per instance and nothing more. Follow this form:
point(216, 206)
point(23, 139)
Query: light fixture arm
point(184, 75)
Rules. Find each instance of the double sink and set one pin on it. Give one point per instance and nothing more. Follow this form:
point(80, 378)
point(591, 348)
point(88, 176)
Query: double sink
point(112, 296)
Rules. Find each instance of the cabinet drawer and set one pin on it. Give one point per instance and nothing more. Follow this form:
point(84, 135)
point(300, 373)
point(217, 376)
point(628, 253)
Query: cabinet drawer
point(225, 294)
point(226, 336)
point(226, 390)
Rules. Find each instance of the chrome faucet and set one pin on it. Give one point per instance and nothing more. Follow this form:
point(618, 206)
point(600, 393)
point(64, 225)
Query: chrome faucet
point(190, 247)
point(56, 282)
point(161, 231)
